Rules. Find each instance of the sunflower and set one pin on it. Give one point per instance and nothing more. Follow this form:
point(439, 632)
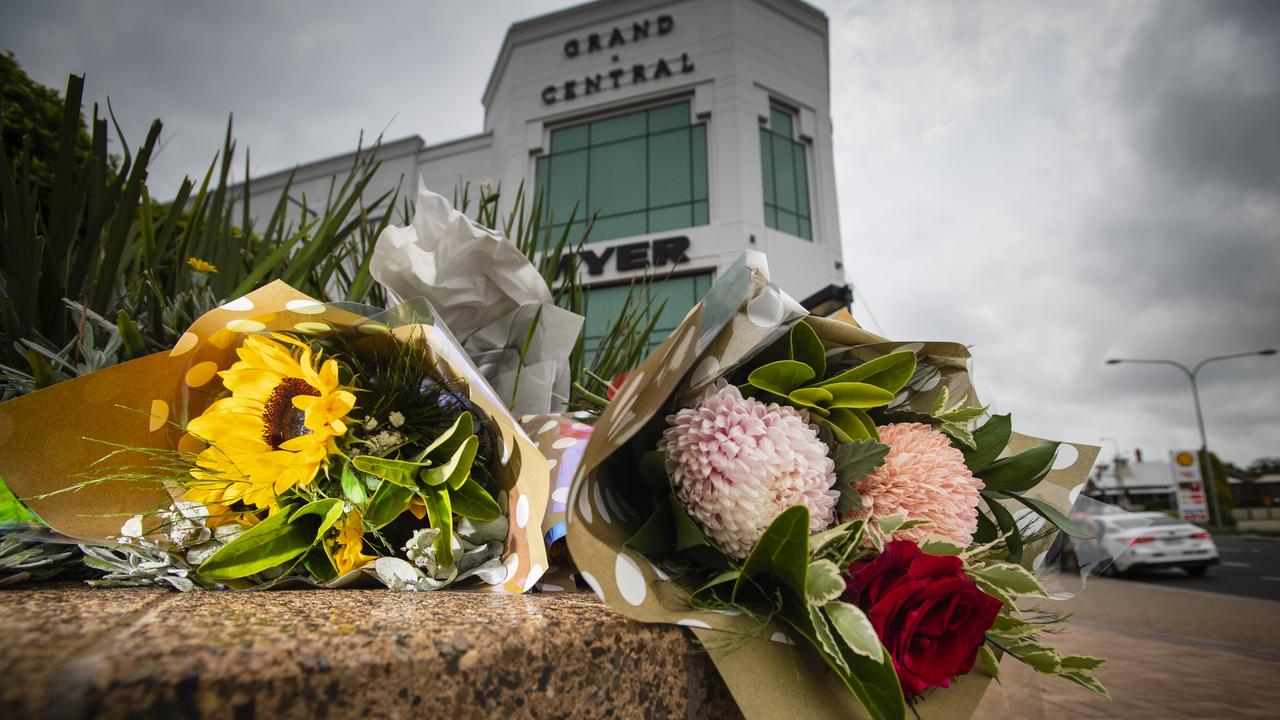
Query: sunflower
point(349, 551)
point(274, 431)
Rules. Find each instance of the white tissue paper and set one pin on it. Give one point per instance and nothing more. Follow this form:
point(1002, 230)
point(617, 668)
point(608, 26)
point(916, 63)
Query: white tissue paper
point(488, 294)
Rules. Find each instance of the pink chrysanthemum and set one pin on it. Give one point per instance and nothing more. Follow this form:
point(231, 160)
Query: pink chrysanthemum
point(737, 463)
point(925, 477)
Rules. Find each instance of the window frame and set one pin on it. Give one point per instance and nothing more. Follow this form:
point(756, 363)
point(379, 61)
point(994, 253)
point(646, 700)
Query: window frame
point(699, 206)
point(769, 181)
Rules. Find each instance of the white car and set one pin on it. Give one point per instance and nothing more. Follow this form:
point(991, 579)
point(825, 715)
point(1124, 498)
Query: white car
point(1141, 540)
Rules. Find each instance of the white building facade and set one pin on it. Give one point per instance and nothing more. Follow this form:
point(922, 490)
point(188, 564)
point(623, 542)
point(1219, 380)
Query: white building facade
point(692, 130)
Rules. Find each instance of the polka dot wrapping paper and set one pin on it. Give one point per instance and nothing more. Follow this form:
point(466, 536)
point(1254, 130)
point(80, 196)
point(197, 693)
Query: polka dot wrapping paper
point(62, 435)
point(770, 674)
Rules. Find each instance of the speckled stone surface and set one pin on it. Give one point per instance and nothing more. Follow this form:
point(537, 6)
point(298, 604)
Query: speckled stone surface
point(75, 652)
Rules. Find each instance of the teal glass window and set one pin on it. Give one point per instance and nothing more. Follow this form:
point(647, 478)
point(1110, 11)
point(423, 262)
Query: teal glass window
point(604, 304)
point(786, 176)
point(642, 172)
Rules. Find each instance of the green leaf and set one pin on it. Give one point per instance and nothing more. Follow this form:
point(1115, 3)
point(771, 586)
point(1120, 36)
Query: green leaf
point(990, 441)
point(823, 582)
point(130, 336)
point(328, 510)
point(1084, 679)
point(811, 397)
point(989, 661)
point(875, 685)
point(454, 472)
point(987, 530)
point(710, 590)
point(353, 488)
point(1008, 527)
point(653, 471)
point(1013, 579)
point(827, 640)
point(854, 461)
point(319, 563)
point(959, 431)
point(1050, 513)
point(848, 425)
point(656, 535)
point(399, 472)
point(781, 377)
point(889, 372)
point(440, 515)
point(808, 349)
point(936, 546)
point(857, 395)
point(1081, 662)
point(855, 629)
point(472, 501)
point(687, 533)
point(782, 552)
point(444, 446)
point(265, 545)
point(388, 502)
point(1020, 472)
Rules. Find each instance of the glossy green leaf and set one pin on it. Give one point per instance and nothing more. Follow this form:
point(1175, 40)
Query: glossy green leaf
point(440, 515)
point(987, 530)
point(353, 487)
point(808, 349)
point(991, 440)
point(657, 535)
point(653, 471)
point(852, 625)
point(455, 470)
point(399, 472)
point(270, 543)
point(782, 552)
point(388, 502)
point(847, 425)
point(1008, 527)
point(328, 511)
point(810, 397)
point(444, 446)
point(889, 372)
point(1050, 513)
point(781, 377)
point(471, 500)
point(319, 563)
point(1020, 472)
point(857, 395)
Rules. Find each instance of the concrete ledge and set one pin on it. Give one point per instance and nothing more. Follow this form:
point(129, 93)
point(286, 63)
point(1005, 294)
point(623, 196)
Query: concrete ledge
point(75, 652)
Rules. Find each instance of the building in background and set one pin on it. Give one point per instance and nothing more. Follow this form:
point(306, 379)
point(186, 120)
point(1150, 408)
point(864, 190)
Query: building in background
point(693, 130)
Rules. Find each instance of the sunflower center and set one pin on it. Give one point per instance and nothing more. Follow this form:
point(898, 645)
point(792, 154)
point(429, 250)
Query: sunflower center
point(280, 419)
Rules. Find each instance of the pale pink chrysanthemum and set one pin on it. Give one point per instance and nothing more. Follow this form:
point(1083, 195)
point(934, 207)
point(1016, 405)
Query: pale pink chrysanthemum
point(925, 478)
point(737, 463)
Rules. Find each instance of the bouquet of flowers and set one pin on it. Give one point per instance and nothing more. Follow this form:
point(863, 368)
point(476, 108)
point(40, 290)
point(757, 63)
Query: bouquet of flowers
point(825, 508)
point(282, 439)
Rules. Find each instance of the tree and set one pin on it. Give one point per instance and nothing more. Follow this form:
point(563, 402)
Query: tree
point(1265, 466)
point(32, 116)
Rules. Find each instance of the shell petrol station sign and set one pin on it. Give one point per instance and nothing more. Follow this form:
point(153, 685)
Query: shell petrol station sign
point(1193, 503)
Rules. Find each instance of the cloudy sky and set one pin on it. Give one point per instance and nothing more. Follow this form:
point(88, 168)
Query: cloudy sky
point(1054, 183)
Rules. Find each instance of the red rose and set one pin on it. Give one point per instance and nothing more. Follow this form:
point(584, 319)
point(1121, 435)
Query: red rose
point(927, 612)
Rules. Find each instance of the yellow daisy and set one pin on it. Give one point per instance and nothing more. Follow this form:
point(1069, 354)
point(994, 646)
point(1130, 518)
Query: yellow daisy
point(349, 553)
point(275, 430)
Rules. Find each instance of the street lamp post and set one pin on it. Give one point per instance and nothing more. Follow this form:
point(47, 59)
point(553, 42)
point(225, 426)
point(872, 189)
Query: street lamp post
point(1209, 481)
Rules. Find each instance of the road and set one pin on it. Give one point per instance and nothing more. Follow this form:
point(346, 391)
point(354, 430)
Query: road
point(1250, 567)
